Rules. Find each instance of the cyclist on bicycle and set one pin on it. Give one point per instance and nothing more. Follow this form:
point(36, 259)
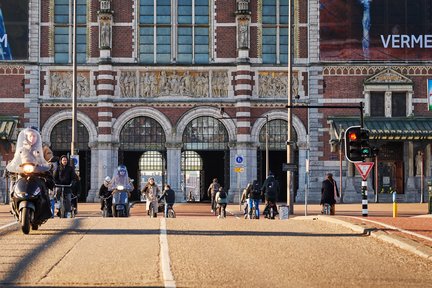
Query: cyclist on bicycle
point(151, 191)
point(65, 175)
point(169, 196)
point(104, 193)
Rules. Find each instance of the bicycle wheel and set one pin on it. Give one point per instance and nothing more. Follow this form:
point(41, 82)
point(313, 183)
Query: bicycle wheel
point(171, 213)
point(62, 206)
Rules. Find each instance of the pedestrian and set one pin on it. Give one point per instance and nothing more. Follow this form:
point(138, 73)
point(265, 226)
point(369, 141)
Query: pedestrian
point(246, 199)
point(104, 194)
point(255, 197)
point(270, 191)
point(222, 200)
point(329, 193)
point(151, 191)
point(169, 196)
point(211, 191)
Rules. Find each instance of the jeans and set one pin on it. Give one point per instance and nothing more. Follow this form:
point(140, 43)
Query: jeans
point(255, 203)
point(52, 202)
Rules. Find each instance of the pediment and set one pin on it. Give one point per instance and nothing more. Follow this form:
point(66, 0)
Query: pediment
point(388, 76)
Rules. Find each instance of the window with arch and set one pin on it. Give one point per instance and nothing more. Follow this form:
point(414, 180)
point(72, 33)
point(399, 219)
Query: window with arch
point(142, 133)
point(63, 12)
point(278, 134)
point(61, 136)
point(275, 31)
point(205, 133)
point(174, 31)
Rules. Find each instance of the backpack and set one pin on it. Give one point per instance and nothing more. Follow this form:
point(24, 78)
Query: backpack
point(222, 194)
point(271, 187)
point(256, 193)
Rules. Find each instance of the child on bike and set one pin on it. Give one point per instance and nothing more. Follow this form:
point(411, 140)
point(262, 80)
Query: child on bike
point(169, 196)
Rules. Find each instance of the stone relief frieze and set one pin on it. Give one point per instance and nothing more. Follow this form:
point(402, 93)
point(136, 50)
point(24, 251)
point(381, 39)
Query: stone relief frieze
point(61, 84)
point(128, 84)
point(275, 84)
point(174, 83)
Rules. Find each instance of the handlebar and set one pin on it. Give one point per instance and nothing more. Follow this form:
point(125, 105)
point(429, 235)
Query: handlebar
point(63, 186)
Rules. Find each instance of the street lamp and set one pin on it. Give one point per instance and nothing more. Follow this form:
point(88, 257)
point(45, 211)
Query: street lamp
point(290, 194)
point(74, 81)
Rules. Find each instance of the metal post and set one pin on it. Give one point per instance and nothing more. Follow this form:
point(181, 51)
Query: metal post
point(74, 82)
point(290, 194)
point(376, 180)
point(421, 180)
point(267, 148)
point(364, 199)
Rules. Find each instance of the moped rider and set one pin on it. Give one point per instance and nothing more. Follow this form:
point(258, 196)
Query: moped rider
point(104, 193)
point(120, 178)
point(152, 192)
point(29, 150)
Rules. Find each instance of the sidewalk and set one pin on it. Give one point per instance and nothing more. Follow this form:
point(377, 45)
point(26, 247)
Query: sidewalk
point(410, 230)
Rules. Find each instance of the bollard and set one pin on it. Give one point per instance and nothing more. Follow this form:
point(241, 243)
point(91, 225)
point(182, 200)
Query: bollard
point(394, 205)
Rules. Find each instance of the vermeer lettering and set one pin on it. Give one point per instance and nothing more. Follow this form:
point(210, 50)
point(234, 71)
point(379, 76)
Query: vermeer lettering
point(406, 41)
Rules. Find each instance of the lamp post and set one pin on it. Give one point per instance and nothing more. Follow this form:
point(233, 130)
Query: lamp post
point(290, 194)
point(266, 146)
point(74, 81)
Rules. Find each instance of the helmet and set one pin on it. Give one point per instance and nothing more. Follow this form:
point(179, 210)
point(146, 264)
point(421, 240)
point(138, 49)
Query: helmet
point(121, 169)
point(107, 179)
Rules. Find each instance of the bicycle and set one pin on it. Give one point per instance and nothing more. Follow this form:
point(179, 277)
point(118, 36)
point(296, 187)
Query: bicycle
point(326, 209)
point(62, 200)
point(171, 213)
point(106, 212)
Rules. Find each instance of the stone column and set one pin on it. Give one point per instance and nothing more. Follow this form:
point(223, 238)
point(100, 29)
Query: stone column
point(104, 153)
point(174, 169)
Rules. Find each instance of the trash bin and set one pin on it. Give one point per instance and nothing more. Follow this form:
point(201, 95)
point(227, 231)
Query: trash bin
point(283, 212)
point(430, 196)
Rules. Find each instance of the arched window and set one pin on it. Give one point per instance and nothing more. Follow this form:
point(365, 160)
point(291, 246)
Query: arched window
point(142, 133)
point(61, 136)
point(205, 133)
point(278, 134)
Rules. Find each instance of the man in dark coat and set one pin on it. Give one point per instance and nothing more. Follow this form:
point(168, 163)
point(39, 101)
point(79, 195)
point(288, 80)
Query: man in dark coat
point(65, 175)
point(329, 192)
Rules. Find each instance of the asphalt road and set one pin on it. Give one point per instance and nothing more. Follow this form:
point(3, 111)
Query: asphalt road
point(204, 252)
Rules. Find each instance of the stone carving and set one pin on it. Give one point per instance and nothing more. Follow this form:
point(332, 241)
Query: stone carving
point(219, 84)
point(128, 84)
point(243, 34)
point(178, 83)
point(272, 84)
point(275, 85)
point(61, 85)
point(105, 35)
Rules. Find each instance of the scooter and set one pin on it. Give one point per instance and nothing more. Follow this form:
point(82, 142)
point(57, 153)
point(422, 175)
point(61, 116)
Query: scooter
point(28, 202)
point(120, 202)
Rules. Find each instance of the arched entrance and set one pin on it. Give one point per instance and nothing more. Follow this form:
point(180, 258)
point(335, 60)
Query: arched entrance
point(142, 150)
point(208, 138)
point(192, 173)
point(278, 134)
point(61, 138)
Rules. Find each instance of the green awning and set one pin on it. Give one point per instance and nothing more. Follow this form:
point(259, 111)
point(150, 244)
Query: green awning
point(381, 128)
point(8, 125)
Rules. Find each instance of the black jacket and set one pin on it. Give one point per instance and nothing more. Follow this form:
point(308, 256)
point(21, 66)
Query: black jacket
point(327, 192)
point(169, 196)
point(64, 175)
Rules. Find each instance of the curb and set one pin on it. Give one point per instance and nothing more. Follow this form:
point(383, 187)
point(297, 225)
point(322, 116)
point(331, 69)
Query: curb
point(401, 242)
point(9, 227)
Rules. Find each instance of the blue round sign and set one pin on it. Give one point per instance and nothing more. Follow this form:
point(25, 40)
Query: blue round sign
point(239, 159)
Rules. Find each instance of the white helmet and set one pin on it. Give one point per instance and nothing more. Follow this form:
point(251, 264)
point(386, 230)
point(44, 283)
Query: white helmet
point(107, 179)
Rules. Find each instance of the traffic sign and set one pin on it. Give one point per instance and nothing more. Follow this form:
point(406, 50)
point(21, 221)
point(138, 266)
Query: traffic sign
point(239, 169)
point(239, 159)
point(289, 167)
point(75, 159)
point(364, 168)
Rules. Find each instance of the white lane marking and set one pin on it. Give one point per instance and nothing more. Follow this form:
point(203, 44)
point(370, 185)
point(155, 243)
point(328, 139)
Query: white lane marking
point(8, 225)
point(167, 275)
point(396, 228)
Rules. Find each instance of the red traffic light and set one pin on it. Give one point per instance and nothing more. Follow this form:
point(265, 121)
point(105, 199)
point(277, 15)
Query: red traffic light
point(352, 136)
